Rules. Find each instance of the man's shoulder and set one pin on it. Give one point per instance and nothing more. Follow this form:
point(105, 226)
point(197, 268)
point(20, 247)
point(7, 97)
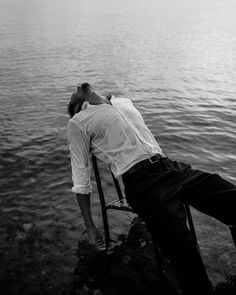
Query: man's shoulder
point(120, 100)
point(74, 119)
point(74, 122)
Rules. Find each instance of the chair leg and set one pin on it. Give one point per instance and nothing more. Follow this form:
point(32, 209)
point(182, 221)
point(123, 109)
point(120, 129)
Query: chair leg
point(107, 232)
point(162, 272)
point(190, 222)
point(191, 225)
point(117, 186)
point(233, 233)
point(102, 202)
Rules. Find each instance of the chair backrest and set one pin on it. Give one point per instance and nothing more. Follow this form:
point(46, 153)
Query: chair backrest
point(117, 185)
point(98, 181)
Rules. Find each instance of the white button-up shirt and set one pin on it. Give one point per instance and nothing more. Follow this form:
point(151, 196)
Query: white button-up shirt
point(115, 134)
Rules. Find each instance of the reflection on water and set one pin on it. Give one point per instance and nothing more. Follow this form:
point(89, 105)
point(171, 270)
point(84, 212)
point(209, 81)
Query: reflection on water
point(176, 61)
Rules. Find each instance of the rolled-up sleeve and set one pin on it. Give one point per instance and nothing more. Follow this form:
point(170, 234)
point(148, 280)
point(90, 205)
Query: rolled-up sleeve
point(79, 146)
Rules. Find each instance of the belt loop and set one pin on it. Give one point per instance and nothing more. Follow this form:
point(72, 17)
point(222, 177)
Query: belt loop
point(157, 159)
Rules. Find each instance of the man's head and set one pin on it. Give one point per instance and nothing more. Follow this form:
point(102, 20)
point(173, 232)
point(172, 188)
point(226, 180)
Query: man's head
point(78, 98)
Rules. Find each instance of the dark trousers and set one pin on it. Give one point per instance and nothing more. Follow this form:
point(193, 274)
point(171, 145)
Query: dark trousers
point(157, 193)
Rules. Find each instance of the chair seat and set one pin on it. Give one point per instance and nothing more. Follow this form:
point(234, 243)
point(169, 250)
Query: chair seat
point(121, 205)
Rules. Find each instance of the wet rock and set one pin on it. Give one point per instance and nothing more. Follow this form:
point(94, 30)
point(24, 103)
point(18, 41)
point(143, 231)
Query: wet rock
point(97, 292)
point(91, 280)
point(126, 259)
point(86, 288)
point(27, 226)
point(142, 242)
point(110, 251)
point(20, 236)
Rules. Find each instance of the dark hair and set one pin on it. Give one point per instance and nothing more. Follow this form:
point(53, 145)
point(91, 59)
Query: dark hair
point(71, 106)
point(85, 87)
point(71, 109)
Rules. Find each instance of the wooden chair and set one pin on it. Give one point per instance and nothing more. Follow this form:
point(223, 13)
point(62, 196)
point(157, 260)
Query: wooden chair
point(121, 204)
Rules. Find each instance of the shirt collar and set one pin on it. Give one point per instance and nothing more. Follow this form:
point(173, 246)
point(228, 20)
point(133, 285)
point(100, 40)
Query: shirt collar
point(87, 104)
point(84, 105)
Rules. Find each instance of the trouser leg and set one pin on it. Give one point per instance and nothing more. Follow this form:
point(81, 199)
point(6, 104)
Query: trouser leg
point(147, 191)
point(166, 222)
point(212, 195)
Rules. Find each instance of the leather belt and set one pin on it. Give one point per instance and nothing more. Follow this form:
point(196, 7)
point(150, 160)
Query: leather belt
point(145, 163)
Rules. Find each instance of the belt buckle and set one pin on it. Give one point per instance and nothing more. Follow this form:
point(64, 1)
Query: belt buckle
point(158, 158)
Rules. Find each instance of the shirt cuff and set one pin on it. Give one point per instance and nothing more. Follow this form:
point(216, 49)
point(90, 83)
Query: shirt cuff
point(82, 189)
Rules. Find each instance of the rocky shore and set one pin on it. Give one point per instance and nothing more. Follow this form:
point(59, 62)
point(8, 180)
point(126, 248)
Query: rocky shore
point(42, 264)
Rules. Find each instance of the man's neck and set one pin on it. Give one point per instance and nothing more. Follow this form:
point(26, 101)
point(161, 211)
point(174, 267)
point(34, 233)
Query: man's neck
point(95, 98)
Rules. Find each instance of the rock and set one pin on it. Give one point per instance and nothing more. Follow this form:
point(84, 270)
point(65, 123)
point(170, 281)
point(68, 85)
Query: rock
point(126, 259)
point(110, 251)
point(142, 242)
point(86, 288)
point(97, 292)
point(91, 280)
point(20, 236)
point(27, 226)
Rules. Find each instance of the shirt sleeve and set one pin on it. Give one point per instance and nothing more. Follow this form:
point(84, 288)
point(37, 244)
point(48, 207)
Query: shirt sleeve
point(79, 146)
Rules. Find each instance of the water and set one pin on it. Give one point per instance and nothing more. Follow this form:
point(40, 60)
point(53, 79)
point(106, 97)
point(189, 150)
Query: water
point(175, 59)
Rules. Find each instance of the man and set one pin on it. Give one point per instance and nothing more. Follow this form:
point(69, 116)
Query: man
point(155, 186)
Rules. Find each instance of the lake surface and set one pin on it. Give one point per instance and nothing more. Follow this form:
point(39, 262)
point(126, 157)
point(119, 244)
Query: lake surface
point(175, 59)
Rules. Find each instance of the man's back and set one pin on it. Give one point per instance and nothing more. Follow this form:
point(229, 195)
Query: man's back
point(115, 134)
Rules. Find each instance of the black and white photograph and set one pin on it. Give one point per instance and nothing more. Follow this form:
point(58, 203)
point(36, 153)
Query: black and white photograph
point(118, 147)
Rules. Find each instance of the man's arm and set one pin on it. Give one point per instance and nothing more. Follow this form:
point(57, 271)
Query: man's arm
point(92, 231)
point(79, 146)
point(84, 203)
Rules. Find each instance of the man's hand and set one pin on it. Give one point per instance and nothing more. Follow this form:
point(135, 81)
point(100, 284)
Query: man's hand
point(94, 236)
